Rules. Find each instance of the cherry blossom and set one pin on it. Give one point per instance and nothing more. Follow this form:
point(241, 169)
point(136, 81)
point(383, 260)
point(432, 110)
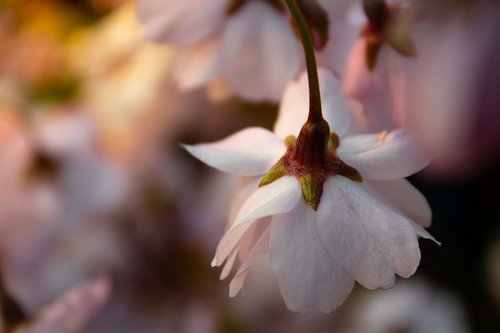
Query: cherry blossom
point(220, 39)
point(364, 227)
point(380, 64)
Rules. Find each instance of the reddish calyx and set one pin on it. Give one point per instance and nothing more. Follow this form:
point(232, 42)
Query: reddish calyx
point(311, 158)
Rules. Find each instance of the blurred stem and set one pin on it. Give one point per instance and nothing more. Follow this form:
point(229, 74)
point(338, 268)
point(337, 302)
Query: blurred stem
point(315, 112)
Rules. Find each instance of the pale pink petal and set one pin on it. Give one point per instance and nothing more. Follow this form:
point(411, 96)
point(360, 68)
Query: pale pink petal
point(197, 65)
point(260, 52)
point(384, 90)
point(367, 238)
point(310, 279)
point(228, 266)
point(244, 189)
point(249, 152)
point(259, 248)
point(383, 156)
point(346, 19)
point(70, 313)
point(183, 22)
point(252, 235)
point(295, 106)
point(403, 196)
point(421, 232)
point(279, 197)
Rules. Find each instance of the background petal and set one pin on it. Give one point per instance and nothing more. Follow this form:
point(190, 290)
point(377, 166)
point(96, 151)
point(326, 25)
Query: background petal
point(183, 22)
point(197, 65)
point(260, 52)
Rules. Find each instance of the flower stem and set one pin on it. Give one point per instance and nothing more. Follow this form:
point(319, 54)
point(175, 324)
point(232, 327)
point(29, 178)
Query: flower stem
point(315, 112)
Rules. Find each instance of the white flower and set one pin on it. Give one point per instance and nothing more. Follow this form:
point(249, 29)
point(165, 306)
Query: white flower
point(384, 89)
point(250, 44)
point(360, 231)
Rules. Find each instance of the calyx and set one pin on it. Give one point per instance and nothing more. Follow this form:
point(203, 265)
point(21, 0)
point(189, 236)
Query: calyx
point(311, 158)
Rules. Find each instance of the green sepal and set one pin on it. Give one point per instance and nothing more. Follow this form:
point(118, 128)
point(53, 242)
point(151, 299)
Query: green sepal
point(351, 173)
point(312, 188)
point(277, 171)
point(333, 142)
point(290, 141)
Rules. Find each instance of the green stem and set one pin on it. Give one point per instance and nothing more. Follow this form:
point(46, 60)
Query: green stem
point(315, 112)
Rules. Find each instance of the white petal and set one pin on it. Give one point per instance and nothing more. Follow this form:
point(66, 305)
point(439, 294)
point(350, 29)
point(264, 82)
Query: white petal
point(383, 156)
point(228, 266)
point(183, 22)
point(403, 196)
point(197, 65)
point(279, 197)
point(244, 189)
point(367, 238)
point(421, 232)
point(249, 152)
point(258, 249)
point(251, 237)
point(260, 52)
point(295, 106)
point(309, 278)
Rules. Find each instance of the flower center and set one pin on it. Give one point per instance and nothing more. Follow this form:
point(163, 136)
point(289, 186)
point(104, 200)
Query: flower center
point(311, 158)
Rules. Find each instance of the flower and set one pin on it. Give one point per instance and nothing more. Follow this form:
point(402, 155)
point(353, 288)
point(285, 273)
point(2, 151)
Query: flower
point(249, 44)
point(381, 63)
point(359, 230)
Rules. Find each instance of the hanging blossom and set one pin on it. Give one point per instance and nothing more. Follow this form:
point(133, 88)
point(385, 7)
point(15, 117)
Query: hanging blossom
point(243, 41)
point(381, 61)
point(352, 217)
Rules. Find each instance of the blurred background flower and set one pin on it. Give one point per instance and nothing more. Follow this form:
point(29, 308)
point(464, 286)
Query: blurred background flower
point(93, 182)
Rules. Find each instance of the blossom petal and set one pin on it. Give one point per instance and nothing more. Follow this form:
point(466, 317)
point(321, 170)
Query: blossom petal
point(309, 278)
point(402, 195)
point(295, 106)
point(258, 249)
point(421, 232)
point(383, 90)
point(260, 59)
point(249, 152)
point(279, 197)
point(366, 237)
point(228, 266)
point(181, 23)
point(197, 65)
point(384, 156)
